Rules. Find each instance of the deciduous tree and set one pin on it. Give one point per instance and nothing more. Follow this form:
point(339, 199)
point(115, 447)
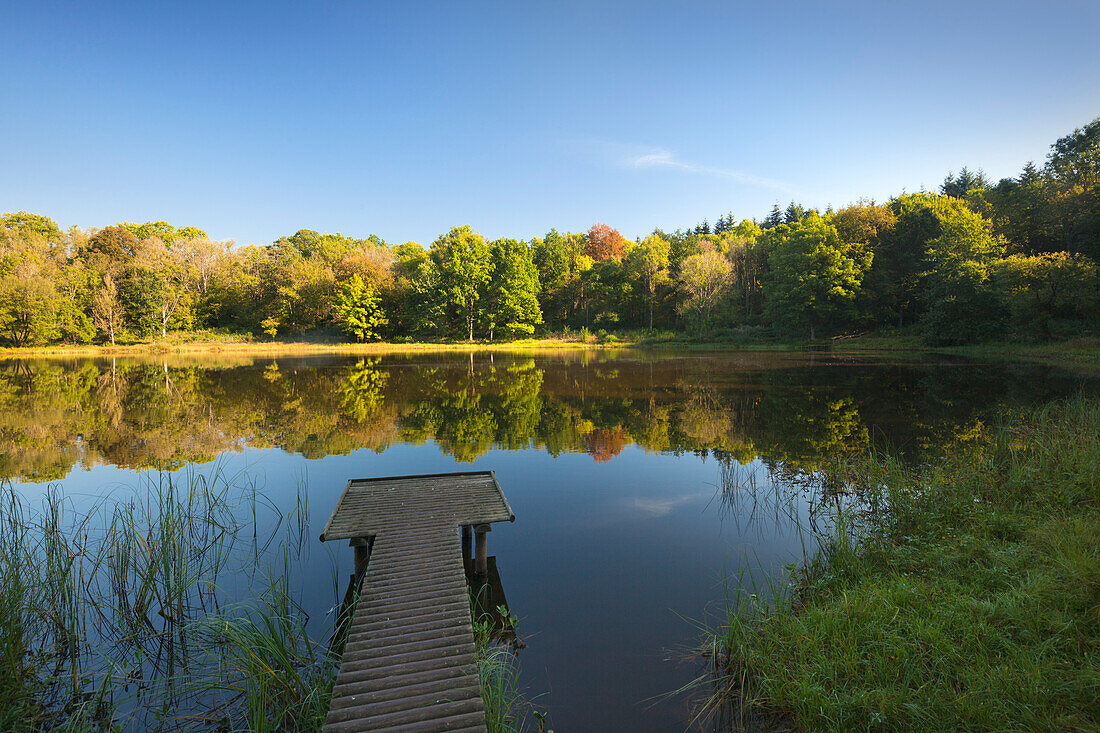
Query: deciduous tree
point(814, 276)
point(107, 308)
point(462, 258)
point(513, 306)
point(358, 310)
point(604, 243)
point(705, 278)
point(649, 263)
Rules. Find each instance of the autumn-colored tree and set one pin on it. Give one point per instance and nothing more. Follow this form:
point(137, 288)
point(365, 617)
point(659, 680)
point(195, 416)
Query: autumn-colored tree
point(604, 243)
point(605, 443)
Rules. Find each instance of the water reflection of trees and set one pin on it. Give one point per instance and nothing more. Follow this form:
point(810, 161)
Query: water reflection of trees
point(151, 415)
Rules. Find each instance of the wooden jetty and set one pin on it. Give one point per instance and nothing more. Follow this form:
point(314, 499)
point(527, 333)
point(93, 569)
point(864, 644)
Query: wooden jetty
point(409, 662)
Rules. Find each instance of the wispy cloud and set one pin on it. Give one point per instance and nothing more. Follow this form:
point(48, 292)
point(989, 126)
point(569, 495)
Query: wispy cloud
point(634, 157)
point(664, 158)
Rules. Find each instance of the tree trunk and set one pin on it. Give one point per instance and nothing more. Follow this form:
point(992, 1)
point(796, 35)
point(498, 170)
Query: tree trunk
point(813, 333)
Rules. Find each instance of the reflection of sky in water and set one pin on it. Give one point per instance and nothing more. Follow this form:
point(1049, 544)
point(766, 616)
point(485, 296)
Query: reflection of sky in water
point(616, 558)
point(608, 565)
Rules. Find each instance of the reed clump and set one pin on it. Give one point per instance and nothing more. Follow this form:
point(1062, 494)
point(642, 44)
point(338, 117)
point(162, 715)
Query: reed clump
point(496, 644)
point(173, 609)
point(959, 595)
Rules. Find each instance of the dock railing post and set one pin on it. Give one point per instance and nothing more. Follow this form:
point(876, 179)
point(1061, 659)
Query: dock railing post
point(481, 557)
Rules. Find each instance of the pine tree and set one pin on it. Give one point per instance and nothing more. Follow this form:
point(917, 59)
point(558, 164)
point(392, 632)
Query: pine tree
point(794, 213)
point(964, 183)
point(774, 219)
point(1030, 173)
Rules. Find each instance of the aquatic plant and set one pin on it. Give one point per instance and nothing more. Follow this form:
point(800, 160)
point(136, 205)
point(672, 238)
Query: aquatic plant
point(173, 608)
point(958, 594)
point(506, 706)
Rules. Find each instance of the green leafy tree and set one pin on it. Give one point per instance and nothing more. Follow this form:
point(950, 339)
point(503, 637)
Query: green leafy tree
point(814, 276)
point(23, 223)
point(963, 303)
point(705, 278)
point(358, 310)
point(270, 326)
point(964, 306)
point(559, 259)
point(29, 305)
point(117, 244)
point(464, 264)
point(649, 263)
point(107, 310)
point(1041, 289)
point(512, 305)
point(740, 244)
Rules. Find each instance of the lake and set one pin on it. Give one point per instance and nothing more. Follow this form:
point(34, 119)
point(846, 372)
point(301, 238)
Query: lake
point(645, 485)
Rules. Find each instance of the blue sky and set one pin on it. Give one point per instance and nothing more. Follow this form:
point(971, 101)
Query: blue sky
point(406, 118)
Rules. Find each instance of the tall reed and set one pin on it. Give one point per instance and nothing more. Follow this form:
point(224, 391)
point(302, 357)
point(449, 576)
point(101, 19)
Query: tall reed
point(170, 609)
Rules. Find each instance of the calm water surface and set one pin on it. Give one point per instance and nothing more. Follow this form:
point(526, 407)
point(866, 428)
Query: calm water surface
point(624, 542)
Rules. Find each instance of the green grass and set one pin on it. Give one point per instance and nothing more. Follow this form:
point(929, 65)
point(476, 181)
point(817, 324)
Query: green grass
point(963, 595)
point(496, 644)
point(115, 616)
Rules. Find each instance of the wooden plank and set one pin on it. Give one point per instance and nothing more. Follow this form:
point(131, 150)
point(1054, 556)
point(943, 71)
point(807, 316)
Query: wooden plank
point(408, 661)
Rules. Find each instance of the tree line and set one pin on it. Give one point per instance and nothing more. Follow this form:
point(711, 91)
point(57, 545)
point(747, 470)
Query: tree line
point(973, 261)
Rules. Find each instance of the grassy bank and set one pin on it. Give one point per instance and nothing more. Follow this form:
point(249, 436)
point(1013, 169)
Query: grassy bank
point(1082, 351)
point(245, 345)
point(1073, 351)
point(964, 595)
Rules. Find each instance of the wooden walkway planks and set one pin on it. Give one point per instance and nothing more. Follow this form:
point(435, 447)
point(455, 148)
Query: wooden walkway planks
point(409, 661)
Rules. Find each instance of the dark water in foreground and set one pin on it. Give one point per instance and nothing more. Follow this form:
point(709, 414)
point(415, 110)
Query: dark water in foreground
point(640, 482)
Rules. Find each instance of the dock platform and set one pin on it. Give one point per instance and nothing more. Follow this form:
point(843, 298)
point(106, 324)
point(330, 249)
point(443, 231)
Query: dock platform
point(409, 662)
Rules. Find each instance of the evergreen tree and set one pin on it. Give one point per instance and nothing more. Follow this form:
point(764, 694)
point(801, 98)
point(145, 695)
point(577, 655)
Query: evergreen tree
point(794, 213)
point(964, 183)
point(774, 219)
point(1030, 174)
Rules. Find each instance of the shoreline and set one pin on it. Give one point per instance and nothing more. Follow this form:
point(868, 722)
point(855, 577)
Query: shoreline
point(977, 574)
point(1075, 352)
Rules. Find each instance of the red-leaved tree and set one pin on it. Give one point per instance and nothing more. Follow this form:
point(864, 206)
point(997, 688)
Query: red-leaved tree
point(604, 243)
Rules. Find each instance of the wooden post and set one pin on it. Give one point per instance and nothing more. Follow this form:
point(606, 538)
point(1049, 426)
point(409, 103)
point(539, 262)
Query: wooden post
point(361, 545)
point(466, 542)
point(481, 558)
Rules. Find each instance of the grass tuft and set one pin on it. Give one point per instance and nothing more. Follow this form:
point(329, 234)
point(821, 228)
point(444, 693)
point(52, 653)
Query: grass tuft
point(116, 617)
point(963, 594)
